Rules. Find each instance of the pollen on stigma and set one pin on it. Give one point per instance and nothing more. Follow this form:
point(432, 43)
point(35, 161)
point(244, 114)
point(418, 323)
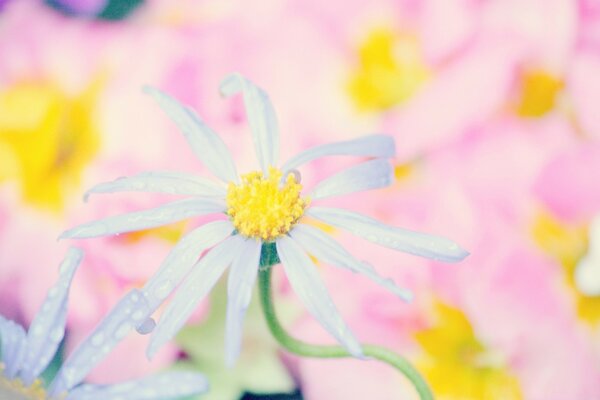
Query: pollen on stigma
point(265, 207)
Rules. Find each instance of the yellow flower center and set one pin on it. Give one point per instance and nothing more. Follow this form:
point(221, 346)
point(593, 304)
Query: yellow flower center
point(15, 389)
point(265, 207)
point(539, 93)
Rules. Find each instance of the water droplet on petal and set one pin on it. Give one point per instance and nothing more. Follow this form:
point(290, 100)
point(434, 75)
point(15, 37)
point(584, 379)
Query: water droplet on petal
point(138, 185)
point(372, 238)
point(163, 289)
point(122, 331)
point(97, 339)
point(56, 334)
point(146, 327)
point(138, 315)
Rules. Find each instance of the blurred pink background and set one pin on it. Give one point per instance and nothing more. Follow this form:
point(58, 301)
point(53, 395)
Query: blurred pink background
point(494, 105)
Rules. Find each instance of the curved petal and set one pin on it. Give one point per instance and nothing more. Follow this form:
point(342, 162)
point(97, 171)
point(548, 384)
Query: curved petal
point(139, 220)
point(161, 182)
point(242, 276)
point(325, 248)
point(127, 314)
point(417, 243)
point(197, 285)
point(48, 327)
point(369, 175)
point(261, 117)
point(181, 260)
point(12, 337)
point(206, 144)
point(304, 278)
point(379, 146)
point(168, 385)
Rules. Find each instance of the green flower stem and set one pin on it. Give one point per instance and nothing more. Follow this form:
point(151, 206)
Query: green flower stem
point(300, 348)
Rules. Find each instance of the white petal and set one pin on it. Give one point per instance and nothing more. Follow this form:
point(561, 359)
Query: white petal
point(587, 272)
point(140, 220)
point(325, 248)
point(379, 146)
point(12, 337)
point(161, 182)
point(587, 275)
point(48, 327)
point(307, 284)
point(242, 276)
point(205, 143)
point(127, 314)
point(181, 260)
point(168, 385)
point(369, 175)
point(261, 117)
point(197, 285)
point(417, 243)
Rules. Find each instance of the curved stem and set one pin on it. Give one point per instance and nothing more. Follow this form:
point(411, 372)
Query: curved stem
point(301, 348)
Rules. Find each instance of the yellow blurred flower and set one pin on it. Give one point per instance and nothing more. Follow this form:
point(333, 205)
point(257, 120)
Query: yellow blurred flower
point(391, 69)
point(46, 140)
point(539, 93)
point(457, 365)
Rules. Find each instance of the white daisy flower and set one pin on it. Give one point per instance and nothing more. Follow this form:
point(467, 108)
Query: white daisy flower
point(25, 355)
point(264, 210)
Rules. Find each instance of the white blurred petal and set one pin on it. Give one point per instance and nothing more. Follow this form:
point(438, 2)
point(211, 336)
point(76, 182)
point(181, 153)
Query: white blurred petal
point(200, 281)
point(587, 275)
point(168, 385)
point(48, 327)
point(326, 249)
point(587, 272)
point(205, 143)
point(369, 175)
point(242, 276)
point(12, 337)
point(161, 182)
point(140, 220)
point(181, 260)
point(417, 243)
point(378, 146)
point(121, 320)
point(307, 284)
point(261, 118)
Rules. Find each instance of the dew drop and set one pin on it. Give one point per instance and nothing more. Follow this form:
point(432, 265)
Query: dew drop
point(94, 230)
point(146, 327)
point(97, 339)
point(372, 238)
point(122, 331)
point(138, 315)
point(56, 334)
point(163, 289)
point(68, 373)
point(37, 330)
point(52, 292)
point(138, 185)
